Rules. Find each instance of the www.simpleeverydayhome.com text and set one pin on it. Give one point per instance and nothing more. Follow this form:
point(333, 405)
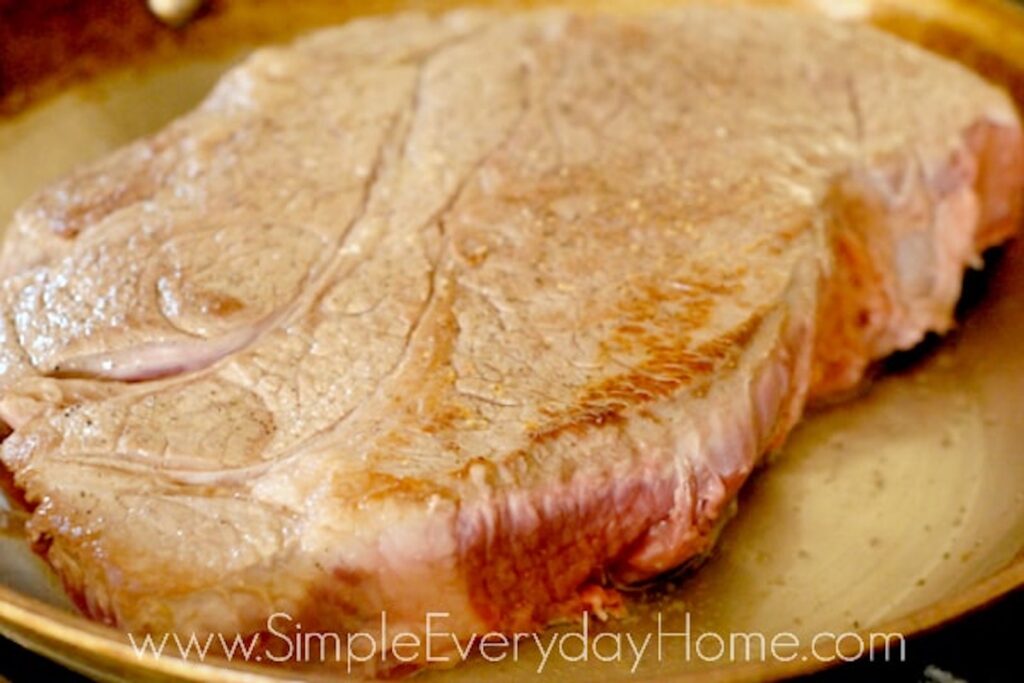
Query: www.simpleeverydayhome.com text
point(285, 641)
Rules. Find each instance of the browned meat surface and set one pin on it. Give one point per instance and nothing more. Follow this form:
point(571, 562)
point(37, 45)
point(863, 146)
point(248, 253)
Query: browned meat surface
point(469, 313)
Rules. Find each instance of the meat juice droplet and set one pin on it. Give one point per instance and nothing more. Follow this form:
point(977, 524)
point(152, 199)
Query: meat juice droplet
point(12, 521)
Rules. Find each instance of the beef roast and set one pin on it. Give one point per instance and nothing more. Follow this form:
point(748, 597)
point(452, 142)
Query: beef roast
point(475, 313)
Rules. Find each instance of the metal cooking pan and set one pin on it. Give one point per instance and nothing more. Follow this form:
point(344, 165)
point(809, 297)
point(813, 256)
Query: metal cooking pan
point(887, 515)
